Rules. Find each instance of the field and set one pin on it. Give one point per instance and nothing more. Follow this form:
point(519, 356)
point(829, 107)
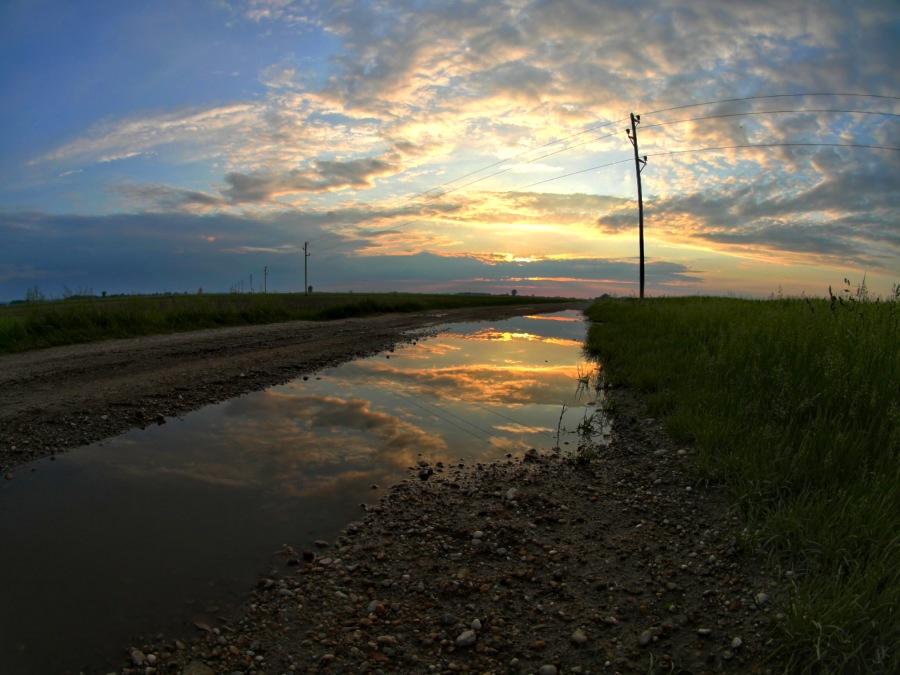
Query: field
point(794, 405)
point(78, 319)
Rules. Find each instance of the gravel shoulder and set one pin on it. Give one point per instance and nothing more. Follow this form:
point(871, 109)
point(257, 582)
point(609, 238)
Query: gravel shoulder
point(539, 564)
point(56, 399)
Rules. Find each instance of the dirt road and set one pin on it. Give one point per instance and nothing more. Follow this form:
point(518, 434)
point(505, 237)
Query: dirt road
point(60, 398)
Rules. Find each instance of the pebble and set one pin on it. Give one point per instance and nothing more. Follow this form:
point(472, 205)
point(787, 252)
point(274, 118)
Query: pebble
point(645, 638)
point(197, 668)
point(736, 643)
point(704, 632)
point(548, 669)
point(476, 625)
point(466, 639)
point(578, 637)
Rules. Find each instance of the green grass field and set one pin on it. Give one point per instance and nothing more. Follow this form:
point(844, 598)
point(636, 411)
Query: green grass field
point(795, 406)
point(45, 324)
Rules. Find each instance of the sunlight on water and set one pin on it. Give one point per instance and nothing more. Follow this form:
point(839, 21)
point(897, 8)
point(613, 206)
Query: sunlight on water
point(173, 524)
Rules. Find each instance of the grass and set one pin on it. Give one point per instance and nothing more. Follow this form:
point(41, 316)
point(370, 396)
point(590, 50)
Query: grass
point(46, 324)
point(793, 404)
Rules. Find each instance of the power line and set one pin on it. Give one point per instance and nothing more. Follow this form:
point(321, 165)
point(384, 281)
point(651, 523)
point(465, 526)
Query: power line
point(384, 213)
point(777, 145)
point(771, 112)
point(769, 96)
point(477, 201)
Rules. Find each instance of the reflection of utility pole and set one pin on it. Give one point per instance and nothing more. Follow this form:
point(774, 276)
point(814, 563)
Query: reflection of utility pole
point(265, 279)
point(305, 258)
point(639, 164)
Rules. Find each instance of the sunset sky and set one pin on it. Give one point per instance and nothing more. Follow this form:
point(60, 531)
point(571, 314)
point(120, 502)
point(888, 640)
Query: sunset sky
point(448, 145)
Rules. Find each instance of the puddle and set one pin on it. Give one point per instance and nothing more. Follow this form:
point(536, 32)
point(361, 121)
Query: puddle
point(162, 527)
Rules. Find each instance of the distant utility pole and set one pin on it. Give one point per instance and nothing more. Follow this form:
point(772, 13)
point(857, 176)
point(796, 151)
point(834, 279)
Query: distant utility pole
point(639, 164)
point(251, 283)
point(305, 258)
point(265, 279)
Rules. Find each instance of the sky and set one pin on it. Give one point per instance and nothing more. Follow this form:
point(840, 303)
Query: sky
point(449, 146)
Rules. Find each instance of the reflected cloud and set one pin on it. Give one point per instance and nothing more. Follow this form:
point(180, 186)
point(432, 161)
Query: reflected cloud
point(366, 422)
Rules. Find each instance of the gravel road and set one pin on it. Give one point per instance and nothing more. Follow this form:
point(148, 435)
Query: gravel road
point(52, 400)
point(539, 564)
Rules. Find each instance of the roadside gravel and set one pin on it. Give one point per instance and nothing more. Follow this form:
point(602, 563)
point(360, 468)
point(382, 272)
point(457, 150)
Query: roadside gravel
point(539, 564)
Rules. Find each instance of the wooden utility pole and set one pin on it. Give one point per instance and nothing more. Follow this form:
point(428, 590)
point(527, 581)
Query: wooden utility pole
point(639, 164)
point(305, 258)
point(265, 279)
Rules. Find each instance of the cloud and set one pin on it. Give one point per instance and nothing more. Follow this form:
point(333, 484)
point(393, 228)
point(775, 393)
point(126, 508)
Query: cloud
point(113, 140)
point(324, 176)
point(168, 199)
point(844, 213)
point(352, 108)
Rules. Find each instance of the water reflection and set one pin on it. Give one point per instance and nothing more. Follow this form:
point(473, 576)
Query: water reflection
point(150, 529)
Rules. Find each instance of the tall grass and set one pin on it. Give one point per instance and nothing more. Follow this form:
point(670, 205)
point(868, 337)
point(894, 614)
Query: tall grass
point(795, 405)
point(86, 319)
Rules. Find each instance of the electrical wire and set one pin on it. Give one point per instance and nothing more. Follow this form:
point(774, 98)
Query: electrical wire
point(768, 112)
point(477, 201)
point(379, 215)
point(776, 145)
point(769, 96)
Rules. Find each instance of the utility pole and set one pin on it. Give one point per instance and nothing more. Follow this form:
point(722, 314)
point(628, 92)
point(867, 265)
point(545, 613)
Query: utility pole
point(305, 258)
point(639, 164)
point(265, 279)
point(251, 283)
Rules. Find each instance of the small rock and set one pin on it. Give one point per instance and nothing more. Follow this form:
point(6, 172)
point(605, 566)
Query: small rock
point(138, 657)
point(548, 669)
point(197, 668)
point(736, 643)
point(578, 637)
point(761, 599)
point(476, 625)
point(448, 619)
point(466, 639)
point(645, 638)
point(704, 632)
point(321, 543)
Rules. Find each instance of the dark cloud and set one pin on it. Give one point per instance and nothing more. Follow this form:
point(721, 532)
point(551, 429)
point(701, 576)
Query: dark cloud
point(849, 215)
point(324, 176)
point(155, 252)
point(166, 198)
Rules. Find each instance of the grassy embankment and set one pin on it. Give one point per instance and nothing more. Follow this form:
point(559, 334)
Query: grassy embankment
point(795, 406)
point(46, 324)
